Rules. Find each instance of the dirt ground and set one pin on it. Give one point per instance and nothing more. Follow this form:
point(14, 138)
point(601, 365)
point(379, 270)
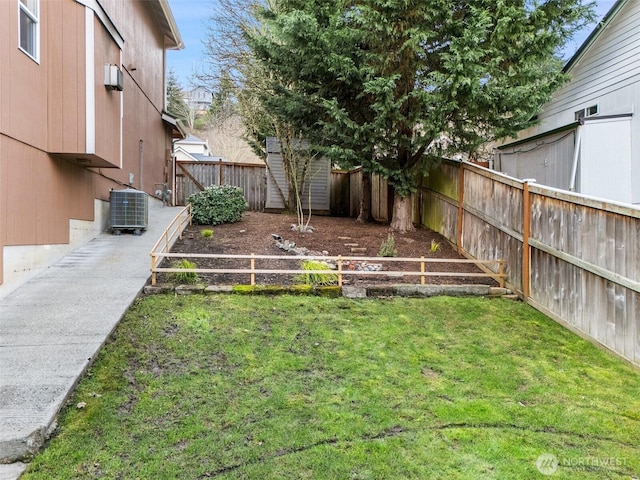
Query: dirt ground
point(331, 236)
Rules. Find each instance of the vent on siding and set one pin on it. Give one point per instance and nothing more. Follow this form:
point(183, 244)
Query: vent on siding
point(129, 210)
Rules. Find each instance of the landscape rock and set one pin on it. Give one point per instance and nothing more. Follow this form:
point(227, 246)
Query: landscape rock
point(354, 292)
point(189, 289)
point(158, 289)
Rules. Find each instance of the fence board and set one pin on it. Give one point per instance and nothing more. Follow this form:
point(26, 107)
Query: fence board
point(355, 191)
point(380, 201)
point(340, 189)
point(250, 177)
point(585, 264)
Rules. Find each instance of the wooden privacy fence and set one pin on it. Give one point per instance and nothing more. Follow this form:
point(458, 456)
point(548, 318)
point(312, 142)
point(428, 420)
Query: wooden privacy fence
point(574, 258)
point(340, 261)
point(346, 194)
point(193, 177)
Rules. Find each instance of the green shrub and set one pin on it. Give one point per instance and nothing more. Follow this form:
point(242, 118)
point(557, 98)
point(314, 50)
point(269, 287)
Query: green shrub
point(185, 277)
point(218, 204)
point(435, 246)
point(388, 247)
point(207, 233)
point(316, 278)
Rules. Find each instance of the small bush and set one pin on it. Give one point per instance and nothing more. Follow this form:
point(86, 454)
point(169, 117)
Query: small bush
point(185, 277)
point(218, 204)
point(317, 278)
point(207, 233)
point(388, 247)
point(435, 246)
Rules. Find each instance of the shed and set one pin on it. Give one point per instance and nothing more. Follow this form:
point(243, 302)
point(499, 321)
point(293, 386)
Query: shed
point(318, 181)
point(587, 139)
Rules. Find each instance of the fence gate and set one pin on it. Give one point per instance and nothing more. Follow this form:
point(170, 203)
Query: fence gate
point(194, 177)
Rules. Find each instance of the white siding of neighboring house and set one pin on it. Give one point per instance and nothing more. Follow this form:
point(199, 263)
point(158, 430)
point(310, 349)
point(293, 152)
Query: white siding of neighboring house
point(193, 145)
point(607, 75)
point(547, 160)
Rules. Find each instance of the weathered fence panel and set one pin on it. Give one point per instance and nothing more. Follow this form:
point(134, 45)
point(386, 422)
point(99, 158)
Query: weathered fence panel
point(355, 191)
point(381, 200)
point(340, 189)
point(572, 257)
point(440, 201)
point(192, 177)
point(585, 267)
point(493, 219)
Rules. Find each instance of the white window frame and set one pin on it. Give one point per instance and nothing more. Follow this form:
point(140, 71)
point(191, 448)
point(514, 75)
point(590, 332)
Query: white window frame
point(34, 17)
point(586, 112)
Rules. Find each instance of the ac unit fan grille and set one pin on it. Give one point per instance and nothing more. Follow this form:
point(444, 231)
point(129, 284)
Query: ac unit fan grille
point(129, 209)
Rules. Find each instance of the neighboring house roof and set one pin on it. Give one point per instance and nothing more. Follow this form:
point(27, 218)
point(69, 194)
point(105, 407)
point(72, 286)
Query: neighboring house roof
point(164, 18)
point(177, 126)
point(192, 139)
point(206, 158)
point(196, 157)
point(606, 20)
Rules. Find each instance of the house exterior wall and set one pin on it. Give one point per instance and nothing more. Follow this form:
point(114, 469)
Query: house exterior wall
point(607, 75)
point(66, 139)
point(108, 104)
point(548, 160)
point(65, 70)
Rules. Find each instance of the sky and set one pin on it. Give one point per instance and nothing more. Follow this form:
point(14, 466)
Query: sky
point(192, 17)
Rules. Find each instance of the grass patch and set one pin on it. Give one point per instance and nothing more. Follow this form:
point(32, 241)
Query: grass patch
point(234, 386)
point(188, 278)
point(319, 278)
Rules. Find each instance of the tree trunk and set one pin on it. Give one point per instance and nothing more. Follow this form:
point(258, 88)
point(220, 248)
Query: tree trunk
point(292, 201)
point(365, 203)
point(401, 218)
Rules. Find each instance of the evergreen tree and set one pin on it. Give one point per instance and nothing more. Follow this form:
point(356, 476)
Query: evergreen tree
point(176, 105)
point(397, 84)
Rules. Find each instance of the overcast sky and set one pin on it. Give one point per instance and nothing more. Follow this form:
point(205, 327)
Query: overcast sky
point(192, 17)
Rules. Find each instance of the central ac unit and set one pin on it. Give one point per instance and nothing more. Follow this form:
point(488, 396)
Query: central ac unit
point(129, 210)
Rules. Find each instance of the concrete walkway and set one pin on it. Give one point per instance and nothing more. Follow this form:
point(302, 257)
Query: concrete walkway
point(52, 327)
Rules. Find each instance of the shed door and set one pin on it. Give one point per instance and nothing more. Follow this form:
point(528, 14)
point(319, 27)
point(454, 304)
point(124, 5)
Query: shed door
point(605, 159)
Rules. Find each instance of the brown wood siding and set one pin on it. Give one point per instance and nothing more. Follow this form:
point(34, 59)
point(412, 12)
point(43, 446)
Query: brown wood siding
point(24, 93)
point(66, 70)
point(144, 49)
point(3, 201)
point(107, 102)
point(41, 194)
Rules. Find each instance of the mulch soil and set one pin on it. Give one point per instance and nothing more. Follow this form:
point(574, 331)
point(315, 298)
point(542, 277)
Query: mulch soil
point(331, 236)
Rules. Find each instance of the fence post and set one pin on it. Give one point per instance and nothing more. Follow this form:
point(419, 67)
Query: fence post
point(422, 280)
point(153, 269)
point(526, 233)
point(460, 207)
point(339, 270)
point(253, 267)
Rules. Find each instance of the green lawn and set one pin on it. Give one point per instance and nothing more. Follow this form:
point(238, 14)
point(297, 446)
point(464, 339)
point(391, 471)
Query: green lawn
point(257, 387)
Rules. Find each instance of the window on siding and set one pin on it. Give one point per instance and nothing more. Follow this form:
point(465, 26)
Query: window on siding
point(586, 112)
point(29, 27)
